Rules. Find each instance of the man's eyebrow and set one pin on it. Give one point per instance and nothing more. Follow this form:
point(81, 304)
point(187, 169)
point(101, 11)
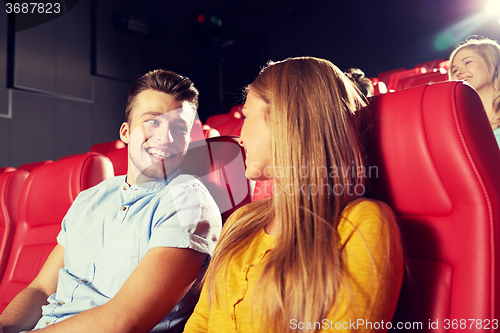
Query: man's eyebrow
point(151, 113)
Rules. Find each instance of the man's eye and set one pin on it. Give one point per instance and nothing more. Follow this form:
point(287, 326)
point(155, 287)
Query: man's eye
point(180, 128)
point(153, 122)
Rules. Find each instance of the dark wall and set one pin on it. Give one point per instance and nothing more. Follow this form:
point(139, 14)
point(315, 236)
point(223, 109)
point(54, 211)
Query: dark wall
point(63, 84)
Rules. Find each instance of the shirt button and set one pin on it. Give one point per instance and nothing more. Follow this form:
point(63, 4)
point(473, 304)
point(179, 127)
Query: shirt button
point(232, 317)
point(61, 303)
point(124, 208)
point(84, 281)
point(125, 187)
point(47, 323)
point(245, 268)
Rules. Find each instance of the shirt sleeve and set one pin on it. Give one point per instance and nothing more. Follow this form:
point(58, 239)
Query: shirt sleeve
point(187, 217)
point(373, 264)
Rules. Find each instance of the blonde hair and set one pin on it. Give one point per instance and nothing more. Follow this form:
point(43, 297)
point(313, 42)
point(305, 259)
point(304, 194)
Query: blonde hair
point(312, 117)
point(489, 50)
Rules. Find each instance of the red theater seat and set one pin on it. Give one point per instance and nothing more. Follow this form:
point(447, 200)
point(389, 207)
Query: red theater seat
point(439, 75)
point(431, 64)
point(216, 120)
point(45, 197)
point(396, 77)
point(219, 163)
point(10, 190)
point(31, 166)
point(231, 127)
point(435, 161)
point(7, 169)
point(119, 159)
point(105, 147)
point(384, 76)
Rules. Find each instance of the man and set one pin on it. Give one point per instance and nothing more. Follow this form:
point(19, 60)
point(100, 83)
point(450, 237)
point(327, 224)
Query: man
point(131, 247)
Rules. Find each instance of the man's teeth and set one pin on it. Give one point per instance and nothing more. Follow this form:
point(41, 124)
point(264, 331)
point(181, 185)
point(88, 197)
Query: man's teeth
point(158, 153)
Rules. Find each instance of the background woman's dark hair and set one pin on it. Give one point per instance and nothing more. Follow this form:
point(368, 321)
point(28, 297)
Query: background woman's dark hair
point(180, 87)
point(363, 83)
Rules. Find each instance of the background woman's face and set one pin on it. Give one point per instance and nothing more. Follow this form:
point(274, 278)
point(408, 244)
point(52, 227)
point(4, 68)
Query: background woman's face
point(471, 67)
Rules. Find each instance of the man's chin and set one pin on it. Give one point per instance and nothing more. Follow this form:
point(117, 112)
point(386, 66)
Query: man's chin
point(156, 172)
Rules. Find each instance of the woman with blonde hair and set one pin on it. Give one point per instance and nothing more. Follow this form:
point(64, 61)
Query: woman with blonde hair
point(476, 61)
point(316, 256)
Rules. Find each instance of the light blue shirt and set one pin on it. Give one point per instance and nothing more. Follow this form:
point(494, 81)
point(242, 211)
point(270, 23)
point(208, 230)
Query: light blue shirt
point(497, 135)
point(110, 227)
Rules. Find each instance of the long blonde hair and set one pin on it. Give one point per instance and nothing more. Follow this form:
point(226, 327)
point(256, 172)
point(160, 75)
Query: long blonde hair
point(312, 117)
point(489, 50)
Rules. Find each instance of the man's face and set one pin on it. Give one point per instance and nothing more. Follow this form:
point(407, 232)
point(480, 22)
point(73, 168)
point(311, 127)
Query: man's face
point(157, 135)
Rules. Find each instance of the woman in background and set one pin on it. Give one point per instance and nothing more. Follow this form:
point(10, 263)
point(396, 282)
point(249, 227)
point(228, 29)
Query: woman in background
point(476, 61)
point(316, 256)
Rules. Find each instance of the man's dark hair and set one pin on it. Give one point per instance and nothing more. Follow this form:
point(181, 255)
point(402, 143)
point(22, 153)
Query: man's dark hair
point(180, 87)
point(357, 76)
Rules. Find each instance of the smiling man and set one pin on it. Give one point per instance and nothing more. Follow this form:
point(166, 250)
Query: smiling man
point(130, 248)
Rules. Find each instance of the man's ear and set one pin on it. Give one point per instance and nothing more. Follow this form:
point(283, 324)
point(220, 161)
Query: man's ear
point(124, 132)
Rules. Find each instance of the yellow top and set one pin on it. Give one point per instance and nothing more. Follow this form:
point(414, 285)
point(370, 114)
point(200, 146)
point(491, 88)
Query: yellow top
point(370, 241)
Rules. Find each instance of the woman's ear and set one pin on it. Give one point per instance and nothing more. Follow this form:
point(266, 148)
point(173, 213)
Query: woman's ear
point(124, 132)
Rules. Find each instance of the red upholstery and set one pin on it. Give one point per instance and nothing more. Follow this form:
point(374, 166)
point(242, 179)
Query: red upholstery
point(431, 64)
point(219, 162)
point(424, 78)
point(220, 165)
point(263, 189)
point(231, 127)
point(46, 195)
point(437, 166)
point(119, 158)
point(7, 169)
point(197, 131)
point(384, 76)
point(216, 120)
point(396, 77)
point(30, 166)
point(105, 147)
point(10, 190)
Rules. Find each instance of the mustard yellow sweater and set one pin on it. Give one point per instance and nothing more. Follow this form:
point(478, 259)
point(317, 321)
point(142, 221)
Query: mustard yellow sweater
point(365, 232)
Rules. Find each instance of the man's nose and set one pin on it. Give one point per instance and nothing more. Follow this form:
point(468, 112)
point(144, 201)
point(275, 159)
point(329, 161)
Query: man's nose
point(164, 134)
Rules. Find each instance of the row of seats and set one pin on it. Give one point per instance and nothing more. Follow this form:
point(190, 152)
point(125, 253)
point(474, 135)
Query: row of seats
point(402, 78)
point(432, 157)
point(33, 204)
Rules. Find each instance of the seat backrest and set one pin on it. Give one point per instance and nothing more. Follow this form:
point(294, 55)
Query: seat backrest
point(231, 127)
point(10, 190)
point(105, 147)
point(45, 197)
point(7, 169)
point(439, 75)
point(31, 166)
point(431, 64)
point(396, 77)
point(215, 120)
point(435, 161)
point(219, 163)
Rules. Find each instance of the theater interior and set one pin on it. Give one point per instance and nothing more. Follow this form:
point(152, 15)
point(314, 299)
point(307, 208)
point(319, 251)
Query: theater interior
point(63, 87)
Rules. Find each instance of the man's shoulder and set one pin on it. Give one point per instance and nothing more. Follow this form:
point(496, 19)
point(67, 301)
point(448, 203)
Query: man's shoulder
point(107, 185)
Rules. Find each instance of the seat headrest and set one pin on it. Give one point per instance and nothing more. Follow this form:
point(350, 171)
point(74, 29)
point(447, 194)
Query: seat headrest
point(50, 189)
